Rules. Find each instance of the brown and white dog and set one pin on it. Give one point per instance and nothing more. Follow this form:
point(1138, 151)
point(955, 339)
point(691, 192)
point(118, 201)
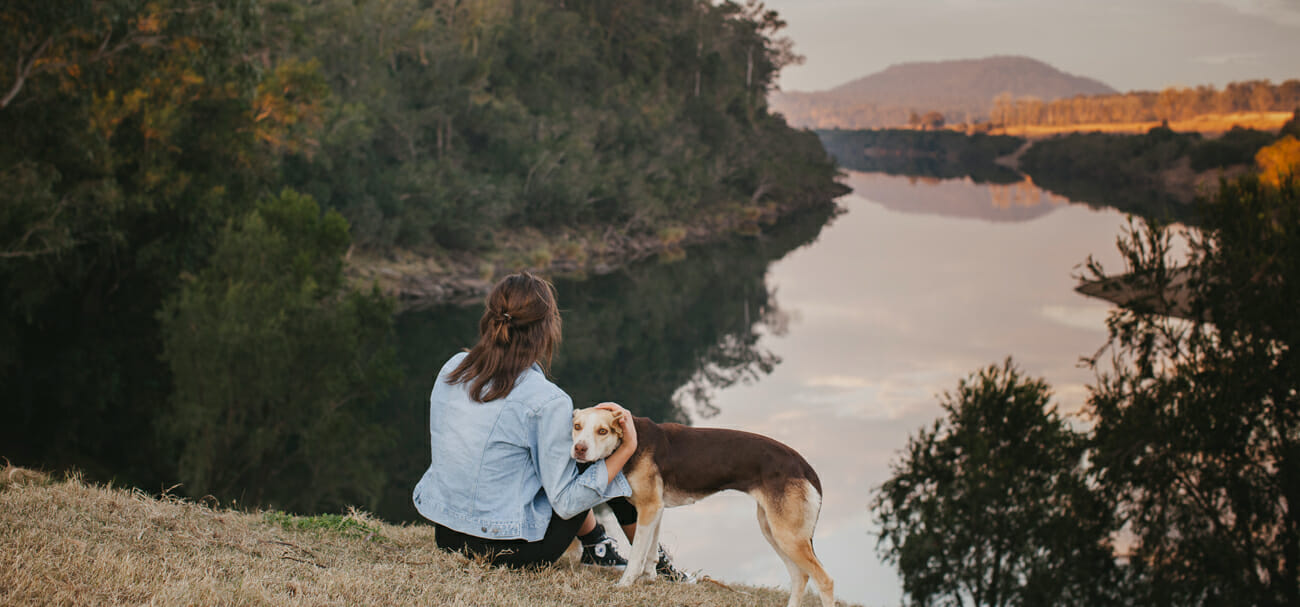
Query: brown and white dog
point(675, 465)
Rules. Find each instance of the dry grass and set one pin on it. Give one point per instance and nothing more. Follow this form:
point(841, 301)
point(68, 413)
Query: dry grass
point(70, 543)
point(1208, 124)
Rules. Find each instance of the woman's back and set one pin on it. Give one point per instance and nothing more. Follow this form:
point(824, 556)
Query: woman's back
point(500, 468)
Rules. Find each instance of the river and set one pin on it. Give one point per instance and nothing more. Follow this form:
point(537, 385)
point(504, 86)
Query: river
point(835, 337)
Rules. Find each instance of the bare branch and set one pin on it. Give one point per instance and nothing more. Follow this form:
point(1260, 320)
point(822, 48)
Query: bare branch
point(24, 70)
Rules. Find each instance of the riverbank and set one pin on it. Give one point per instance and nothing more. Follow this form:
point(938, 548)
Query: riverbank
point(420, 279)
point(69, 542)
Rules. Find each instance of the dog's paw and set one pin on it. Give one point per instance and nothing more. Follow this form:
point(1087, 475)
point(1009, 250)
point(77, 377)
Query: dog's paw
point(628, 579)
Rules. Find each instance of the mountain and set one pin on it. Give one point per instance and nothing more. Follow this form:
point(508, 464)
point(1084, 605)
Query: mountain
point(962, 90)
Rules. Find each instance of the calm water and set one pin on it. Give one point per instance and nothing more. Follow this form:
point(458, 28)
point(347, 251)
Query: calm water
point(917, 285)
point(835, 340)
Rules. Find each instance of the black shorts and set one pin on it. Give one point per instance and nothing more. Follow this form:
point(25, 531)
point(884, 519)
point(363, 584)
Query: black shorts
point(522, 553)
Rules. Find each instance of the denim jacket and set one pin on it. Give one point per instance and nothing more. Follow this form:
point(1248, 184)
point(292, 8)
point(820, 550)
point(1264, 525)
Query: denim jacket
point(501, 467)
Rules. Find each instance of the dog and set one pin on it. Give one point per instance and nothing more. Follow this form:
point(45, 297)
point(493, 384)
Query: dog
point(676, 465)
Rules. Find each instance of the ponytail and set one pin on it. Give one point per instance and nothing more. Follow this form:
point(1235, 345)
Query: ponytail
point(520, 326)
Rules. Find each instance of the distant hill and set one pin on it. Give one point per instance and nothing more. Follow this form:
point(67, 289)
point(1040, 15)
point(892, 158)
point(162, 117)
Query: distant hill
point(963, 90)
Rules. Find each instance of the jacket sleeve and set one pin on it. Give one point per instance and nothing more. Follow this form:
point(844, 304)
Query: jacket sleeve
point(569, 492)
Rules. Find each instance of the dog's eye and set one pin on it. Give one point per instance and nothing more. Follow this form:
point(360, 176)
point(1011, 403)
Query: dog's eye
point(602, 431)
point(577, 426)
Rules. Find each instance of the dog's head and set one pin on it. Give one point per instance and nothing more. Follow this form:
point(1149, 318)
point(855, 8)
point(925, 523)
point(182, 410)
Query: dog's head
point(596, 434)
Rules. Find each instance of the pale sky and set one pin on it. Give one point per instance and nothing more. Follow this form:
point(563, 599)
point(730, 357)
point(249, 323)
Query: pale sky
point(1128, 44)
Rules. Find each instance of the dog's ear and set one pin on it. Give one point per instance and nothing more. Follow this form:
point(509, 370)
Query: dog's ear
point(617, 427)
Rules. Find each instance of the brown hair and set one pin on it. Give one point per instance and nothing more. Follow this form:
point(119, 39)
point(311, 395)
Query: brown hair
point(520, 326)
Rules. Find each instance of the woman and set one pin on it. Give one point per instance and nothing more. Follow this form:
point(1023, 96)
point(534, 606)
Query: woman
point(502, 483)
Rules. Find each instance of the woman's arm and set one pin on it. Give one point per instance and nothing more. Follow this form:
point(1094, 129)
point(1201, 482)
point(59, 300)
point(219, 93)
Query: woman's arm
point(616, 460)
point(569, 492)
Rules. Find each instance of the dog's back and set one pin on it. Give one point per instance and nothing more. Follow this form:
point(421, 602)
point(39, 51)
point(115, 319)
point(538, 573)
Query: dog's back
point(707, 460)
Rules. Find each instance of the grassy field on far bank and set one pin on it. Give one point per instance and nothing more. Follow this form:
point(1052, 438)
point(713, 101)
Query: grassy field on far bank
point(72, 543)
point(1210, 125)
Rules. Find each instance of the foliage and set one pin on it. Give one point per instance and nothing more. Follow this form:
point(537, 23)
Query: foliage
point(1235, 148)
point(129, 141)
point(1279, 161)
point(1123, 171)
point(274, 364)
point(543, 113)
point(990, 505)
point(1196, 423)
point(1291, 127)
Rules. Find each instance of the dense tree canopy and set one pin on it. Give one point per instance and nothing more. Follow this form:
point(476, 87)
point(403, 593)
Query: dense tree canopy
point(544, 113)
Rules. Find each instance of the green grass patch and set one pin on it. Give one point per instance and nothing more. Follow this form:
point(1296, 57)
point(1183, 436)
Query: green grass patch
point(346, 525)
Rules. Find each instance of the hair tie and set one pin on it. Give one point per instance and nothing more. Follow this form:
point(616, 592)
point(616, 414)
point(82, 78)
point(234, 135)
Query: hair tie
point(507, 315)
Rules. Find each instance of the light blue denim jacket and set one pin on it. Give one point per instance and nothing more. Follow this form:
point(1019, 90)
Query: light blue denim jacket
point(500, 467)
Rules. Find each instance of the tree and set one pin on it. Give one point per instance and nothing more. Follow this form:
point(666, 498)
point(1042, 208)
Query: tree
point(274, 359)
point(129, 140)
point(1279, 161)
point(990, 505)
point(1197, 424)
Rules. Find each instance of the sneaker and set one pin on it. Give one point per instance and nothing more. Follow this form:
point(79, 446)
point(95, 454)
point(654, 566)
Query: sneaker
point(603, 553)
point(666, 570)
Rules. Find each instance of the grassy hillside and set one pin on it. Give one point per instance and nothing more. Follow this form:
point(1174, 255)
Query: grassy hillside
point(72, 543)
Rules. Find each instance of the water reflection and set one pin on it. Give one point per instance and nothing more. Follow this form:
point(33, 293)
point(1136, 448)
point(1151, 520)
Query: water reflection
point(641, 335)
point(889, 309)
point(961, 197)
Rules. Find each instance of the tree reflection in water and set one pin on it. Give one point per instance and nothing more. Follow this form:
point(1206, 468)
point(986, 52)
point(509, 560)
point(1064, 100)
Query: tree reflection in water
point(659, 338)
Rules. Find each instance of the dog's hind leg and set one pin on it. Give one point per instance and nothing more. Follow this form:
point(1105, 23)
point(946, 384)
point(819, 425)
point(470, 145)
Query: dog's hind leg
point(792, 525)
point(798, 579)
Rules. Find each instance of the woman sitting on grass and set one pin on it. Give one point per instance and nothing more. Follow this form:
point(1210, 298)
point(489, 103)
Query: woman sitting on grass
point(502, 484)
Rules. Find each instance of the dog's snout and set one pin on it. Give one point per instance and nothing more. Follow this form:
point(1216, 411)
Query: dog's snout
point(580, 448)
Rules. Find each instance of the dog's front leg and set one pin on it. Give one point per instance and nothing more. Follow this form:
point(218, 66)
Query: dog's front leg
point(643, 545)
point(652, 546)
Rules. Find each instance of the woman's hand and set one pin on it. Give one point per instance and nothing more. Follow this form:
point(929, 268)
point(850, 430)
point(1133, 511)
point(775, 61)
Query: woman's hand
point(624, 419)
point(616, 460)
